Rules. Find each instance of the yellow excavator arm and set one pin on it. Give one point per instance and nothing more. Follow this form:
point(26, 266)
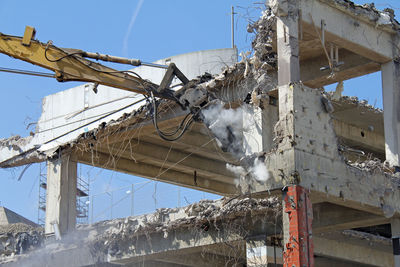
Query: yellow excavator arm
point(72, 65)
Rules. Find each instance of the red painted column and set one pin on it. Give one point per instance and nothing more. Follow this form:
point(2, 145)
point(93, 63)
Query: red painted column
point(297, 212)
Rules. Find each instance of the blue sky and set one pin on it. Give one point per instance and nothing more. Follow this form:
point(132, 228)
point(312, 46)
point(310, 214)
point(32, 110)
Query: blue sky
point(157, 29)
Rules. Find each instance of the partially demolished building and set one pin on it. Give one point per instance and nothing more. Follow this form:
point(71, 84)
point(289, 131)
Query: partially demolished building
point(310, 178)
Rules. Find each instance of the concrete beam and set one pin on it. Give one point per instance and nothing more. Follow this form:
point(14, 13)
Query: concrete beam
point(225, 237)
point(351, 252)
point(134, 128)
point(337, 182)
point(391, 106)
point(323, 246)
point(347, 31)
point(360, 138)
point(196, 143)
point(258, 254)
point(287, 32)
point(330, 217)
point(61, 194)
point(354, 66)
point(167, 157)
point(330, 262)
point(153, 263)
point(141, 169)
point(195, 259)
point(225, 231)
point(103, 264)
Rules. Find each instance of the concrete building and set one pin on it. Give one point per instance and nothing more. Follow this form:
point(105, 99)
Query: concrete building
point(312, 177)
point(9, 217)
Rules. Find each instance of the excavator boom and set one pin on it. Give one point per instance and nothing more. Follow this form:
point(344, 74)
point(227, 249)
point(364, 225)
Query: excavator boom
point(71, 64)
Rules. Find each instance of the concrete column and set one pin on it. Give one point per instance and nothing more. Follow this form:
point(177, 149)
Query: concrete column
point(395, 225)
point(391, 106)
point(297, 227)
point(61, 195)
point(258, 127)
point(259, 254)
point(287, 30)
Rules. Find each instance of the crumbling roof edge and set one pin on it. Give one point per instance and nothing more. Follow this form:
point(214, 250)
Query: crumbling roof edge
point(366, 13)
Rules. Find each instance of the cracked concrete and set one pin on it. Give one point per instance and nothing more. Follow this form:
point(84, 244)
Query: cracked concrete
point(108, 240)
point(201, 227)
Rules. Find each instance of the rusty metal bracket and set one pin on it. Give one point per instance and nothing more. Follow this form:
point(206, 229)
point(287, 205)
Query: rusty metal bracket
point(172, 71)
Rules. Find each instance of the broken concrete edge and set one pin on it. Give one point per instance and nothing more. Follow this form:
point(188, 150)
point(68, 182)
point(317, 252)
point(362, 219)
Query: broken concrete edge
point(200, 214)
point(21, 145)
point(102, 240)
point(353, 100)
point(16, 228)
point(368, 13)
point(367, 236)
point(102, 236)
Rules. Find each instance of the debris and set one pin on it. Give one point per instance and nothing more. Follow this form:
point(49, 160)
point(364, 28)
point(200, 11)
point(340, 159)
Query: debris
point(353, 100)
point(19, 238)
point(372, 165)
point(338, 92)
point(367, 12)
point(107, 236)
point(327, 104)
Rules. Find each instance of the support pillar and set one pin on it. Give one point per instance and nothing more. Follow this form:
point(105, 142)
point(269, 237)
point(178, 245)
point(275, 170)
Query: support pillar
point(297, 228)
point(259, 254)
point(258, 130)
point(391, 107)
point(297, 209)
point(61, 195)
point(256, 252)
point(287, 31)
point(395, 225)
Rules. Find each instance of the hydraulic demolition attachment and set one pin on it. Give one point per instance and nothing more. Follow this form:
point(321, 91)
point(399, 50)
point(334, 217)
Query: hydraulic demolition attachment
point(72, 65)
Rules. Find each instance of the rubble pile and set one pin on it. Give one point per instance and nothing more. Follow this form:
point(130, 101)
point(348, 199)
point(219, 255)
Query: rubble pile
point(166, 219)
point(352, 100)
point(19, 238)
point(368, 12)
point(113, 236)
point(372, 165)
point(264, 57)
point(198, 216)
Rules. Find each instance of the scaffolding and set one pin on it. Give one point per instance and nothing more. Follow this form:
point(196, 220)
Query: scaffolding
point(42, 194)
point(82, 200)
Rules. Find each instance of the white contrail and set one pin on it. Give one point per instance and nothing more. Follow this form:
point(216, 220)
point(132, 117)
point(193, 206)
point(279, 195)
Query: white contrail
point(130, 26)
